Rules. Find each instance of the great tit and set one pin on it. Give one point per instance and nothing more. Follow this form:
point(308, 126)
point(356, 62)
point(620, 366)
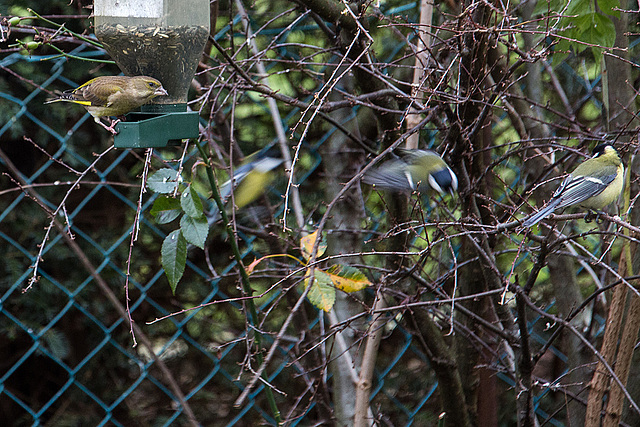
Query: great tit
point(414, 170)
point(594, 184)
point(250, 180)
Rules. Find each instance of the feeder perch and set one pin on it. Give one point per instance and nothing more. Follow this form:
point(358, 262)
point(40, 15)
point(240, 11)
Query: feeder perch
point(163, 39)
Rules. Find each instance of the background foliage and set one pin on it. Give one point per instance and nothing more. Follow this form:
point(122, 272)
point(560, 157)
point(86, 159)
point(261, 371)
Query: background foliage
point(513, 95)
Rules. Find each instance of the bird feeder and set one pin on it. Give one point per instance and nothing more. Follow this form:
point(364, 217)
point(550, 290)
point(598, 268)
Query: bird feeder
point(163, 39)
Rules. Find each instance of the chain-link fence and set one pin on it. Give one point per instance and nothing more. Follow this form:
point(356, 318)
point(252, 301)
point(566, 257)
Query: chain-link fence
point(66, 346)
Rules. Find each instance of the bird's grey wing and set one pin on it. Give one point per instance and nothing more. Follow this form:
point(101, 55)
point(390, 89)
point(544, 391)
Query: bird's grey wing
point(391, 175)
point(213, 213)
point(580, 188)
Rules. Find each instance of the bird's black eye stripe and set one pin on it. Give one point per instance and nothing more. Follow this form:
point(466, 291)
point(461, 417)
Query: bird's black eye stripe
point(600, 149)
point(443, 178)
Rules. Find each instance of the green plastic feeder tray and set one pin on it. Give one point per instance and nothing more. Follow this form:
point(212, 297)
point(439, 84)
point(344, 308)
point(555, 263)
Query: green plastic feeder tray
point(157, 126)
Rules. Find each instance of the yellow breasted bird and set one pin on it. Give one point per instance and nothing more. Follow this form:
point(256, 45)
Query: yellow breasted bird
point(112, 96)
point(593, 185)
point(250, 180)
point(413, 170)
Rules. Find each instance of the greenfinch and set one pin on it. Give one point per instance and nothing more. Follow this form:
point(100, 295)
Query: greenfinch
point(593, 185)
point(113, 96)
point(413, 170)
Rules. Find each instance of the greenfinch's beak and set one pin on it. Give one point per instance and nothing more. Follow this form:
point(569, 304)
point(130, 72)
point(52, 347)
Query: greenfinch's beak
point(160, 91)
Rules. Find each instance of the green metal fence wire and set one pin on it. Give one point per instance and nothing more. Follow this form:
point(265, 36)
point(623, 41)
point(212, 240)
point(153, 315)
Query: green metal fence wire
point(66, 353)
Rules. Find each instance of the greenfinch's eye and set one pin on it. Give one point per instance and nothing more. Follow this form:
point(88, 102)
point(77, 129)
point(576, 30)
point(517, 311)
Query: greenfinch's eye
point(152, 85)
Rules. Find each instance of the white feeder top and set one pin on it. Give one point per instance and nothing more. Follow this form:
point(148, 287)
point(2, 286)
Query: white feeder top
point(129, 8)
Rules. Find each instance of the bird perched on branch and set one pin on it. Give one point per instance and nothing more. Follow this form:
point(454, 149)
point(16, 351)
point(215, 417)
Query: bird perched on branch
point(414, 170)
point(112, 96)
point(593, 185)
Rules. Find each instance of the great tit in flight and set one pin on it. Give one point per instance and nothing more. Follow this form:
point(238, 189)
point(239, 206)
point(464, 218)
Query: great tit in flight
point(250, 180)
point(414, 170)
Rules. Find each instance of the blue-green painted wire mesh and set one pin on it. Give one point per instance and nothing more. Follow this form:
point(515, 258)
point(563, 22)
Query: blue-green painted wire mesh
point(67, 352)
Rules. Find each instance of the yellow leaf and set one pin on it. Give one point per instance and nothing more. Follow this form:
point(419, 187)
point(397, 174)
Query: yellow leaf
point(307, 243)
point(322, 293)
point(347, 278)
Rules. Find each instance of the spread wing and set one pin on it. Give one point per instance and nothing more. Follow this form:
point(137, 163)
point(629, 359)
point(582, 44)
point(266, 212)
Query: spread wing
point(392, 175)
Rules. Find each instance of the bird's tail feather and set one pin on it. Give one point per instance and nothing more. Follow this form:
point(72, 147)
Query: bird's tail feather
point(66, 97)
point(542, 213)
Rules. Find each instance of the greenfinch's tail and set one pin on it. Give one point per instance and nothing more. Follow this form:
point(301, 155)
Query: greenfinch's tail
point(52, 100)
point(66, 97)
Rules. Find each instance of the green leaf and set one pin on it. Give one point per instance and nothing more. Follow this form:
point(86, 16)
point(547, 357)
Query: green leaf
point(608, 6)
point(322, 294)
point(164, 203)
point(191, 203)
point(560, 52)
point(165, 217)
point(577, 7)
point(604, 30)
point(174, 257)
point(195, 230)
point(163, 181)
point(543, 7)
point(165, 209)
point(347, 278)
point(590, 27)
point(595, 29)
